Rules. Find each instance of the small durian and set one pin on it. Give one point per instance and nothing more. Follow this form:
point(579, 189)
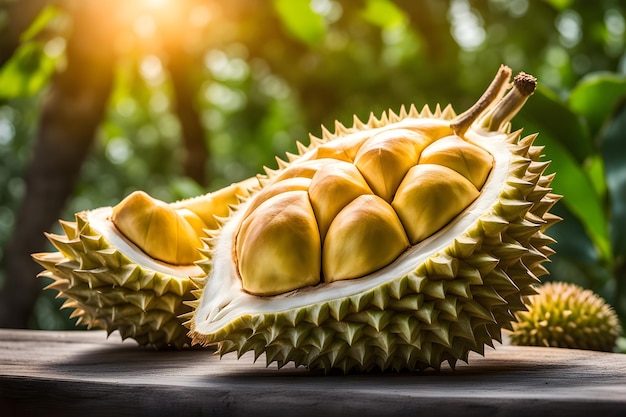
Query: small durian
point(567, 316)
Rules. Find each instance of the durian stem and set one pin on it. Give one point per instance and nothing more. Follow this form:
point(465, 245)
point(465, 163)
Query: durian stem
point(494, 92)
point(497, 118)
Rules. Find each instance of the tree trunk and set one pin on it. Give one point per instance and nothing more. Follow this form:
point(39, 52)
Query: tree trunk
point(69, 118)
point(185, 90)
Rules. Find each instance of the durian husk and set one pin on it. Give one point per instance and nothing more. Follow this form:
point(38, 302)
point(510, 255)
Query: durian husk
point(456, 298)
point(565, 315)
point(112, 285)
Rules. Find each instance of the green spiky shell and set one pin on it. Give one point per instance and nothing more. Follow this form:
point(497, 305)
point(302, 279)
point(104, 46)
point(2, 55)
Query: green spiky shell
point(568, 316)
point(107, 289)
point(457, 300)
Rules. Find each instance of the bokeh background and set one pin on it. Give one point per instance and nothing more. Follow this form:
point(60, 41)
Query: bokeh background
point(181, 97)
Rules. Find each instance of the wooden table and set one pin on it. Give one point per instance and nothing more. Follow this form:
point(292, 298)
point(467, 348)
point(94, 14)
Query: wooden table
point(84, 374)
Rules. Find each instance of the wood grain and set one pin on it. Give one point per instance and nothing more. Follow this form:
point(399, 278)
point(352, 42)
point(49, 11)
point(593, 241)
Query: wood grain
point(85, 374)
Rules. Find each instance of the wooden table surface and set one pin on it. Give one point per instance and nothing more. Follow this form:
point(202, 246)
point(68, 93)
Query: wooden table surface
point(85, 374)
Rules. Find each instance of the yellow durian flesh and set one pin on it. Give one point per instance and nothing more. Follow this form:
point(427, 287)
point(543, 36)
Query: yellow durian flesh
point(365, 236)
point(212, 206)
point(424, 196)
point(332, 189)
point(290, 184)
point(471, 161)
point(279, 249)
point(339, 150)
point(193, 220)
point(429, 197)
point(305, 169)
point(143, 220)
point(386, 157)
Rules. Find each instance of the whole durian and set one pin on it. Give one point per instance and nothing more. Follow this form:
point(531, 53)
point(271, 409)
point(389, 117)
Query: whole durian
point(566, 315)
point(399, 243)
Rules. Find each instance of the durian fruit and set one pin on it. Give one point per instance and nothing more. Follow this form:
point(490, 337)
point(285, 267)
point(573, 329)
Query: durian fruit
point(567, 316)
point(112, 284)
point(400, 243)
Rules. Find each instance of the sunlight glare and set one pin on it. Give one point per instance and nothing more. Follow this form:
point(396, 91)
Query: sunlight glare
point(156, 4)
point(145, 26)
point(200, 16)
point(466, 26)
point(151, 69)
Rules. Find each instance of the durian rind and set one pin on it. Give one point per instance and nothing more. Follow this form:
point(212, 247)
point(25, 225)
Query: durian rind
point(455, 301)
point(107, 289)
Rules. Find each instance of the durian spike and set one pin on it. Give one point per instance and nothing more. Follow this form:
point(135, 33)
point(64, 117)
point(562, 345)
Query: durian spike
point(403, 113)
point(302, 149)
point(340, 129)
point(357, 123)
point(393, 117)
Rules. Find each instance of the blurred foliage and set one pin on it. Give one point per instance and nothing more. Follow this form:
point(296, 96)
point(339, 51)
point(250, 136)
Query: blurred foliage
point(270, 72)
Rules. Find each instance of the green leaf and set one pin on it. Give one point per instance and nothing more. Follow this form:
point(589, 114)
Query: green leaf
point(383, 13)
point(27, 72)
point(553, 118)
point(183, 187)
point(595, 170)
point(580, 196)
point(40, 22)
point(596, 96)
point(560, 4)
point(613, 148)
point(573, 241)
point(301, 21)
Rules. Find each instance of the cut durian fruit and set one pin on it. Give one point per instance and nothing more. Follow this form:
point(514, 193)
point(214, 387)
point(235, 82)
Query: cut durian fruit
point(136, 282)
point(420, 255)
point(566, 315)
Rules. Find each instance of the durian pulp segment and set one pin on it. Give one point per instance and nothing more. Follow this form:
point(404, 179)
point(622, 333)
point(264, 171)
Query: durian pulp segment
point(100, 220)
point(228, 302)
